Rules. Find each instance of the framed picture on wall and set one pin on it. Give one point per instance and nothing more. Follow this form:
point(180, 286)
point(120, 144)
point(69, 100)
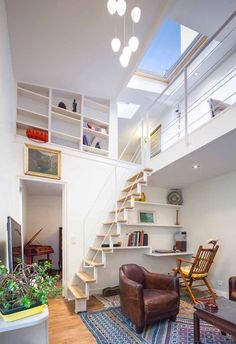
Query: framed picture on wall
point(42, 162)
point(146, 216)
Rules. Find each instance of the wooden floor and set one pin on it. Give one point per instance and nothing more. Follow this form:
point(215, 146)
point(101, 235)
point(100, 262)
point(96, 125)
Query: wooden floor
point(66, 327)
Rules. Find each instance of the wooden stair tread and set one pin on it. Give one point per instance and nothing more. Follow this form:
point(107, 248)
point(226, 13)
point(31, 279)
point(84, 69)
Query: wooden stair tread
point(133, 186)
point(128, 197)
point(114, 222)
point(86, 278)
point(77, 292)
point(120, 210)
point(101, 249)
point(139, 174)
point(93, 262)
point(105, 234)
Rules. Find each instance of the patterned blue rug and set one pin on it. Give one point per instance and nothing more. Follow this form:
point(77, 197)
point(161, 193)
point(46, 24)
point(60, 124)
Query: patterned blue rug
point(112, 327)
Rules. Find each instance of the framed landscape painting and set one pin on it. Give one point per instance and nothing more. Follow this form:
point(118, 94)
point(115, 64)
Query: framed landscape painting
point(42, 162)
point(146, 217)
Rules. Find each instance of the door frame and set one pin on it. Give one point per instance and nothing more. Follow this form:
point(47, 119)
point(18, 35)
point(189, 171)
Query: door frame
point(64, 221)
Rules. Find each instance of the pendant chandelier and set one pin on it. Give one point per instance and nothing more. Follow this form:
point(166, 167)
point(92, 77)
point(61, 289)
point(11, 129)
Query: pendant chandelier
point(120, 7)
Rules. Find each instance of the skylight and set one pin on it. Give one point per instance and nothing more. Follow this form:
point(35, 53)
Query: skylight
point(169, 45)
point(127, 110)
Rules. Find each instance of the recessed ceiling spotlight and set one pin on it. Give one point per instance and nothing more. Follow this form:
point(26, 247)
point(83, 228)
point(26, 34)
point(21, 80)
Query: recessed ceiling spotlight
point(195, 74)
point(195, 167)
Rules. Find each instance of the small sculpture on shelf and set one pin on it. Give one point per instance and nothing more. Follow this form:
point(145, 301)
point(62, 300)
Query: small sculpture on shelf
point(98, 145)
point(62, 105)
point(74, 106)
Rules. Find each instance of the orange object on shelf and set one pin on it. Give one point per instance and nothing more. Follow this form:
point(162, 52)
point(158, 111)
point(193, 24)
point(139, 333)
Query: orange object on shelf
point(37, 134)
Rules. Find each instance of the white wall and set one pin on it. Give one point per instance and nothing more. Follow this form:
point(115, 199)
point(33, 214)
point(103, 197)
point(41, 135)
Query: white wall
point(7, 111)
point(44, 212)
point(209, 212)
point(89, 188)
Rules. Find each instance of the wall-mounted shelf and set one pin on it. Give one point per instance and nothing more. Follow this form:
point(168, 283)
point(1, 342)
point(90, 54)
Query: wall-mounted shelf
point(159, 204)
point(131, 247)
point(150, 225)
point(37, 107)
point(169, 254)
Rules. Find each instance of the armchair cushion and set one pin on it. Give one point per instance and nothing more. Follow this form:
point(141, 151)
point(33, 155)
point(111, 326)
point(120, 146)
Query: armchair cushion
point(159, 301)
point(186, 269)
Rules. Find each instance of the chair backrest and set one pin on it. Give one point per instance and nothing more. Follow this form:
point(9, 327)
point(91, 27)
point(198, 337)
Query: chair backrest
point(133, 272)
point(203, 260)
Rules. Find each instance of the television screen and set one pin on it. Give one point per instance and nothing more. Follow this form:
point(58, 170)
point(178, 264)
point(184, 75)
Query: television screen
point(15, 243)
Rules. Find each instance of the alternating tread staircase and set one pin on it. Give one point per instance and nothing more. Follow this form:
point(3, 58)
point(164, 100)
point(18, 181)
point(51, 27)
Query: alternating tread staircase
point(97, 253)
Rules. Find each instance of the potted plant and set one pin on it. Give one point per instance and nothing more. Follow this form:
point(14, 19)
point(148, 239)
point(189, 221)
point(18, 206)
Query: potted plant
point(26, 291)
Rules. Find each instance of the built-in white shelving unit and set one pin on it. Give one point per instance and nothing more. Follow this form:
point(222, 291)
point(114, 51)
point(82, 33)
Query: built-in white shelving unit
point(86, 130)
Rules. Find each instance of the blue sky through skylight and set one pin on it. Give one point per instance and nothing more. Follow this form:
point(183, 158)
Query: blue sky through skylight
point(165, 49)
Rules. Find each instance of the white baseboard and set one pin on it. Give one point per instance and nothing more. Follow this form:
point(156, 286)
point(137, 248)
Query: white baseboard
point(222, 293)
point(95, 291)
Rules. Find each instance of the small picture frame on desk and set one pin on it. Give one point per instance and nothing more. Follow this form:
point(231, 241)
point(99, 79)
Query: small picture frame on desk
point(146, 217)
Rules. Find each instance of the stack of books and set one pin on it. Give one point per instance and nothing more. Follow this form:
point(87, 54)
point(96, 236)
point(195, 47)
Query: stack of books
point(136, 238)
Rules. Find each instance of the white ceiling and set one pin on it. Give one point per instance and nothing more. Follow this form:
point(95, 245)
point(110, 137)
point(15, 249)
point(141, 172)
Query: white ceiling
point(66, 44)
point(38, 188)
point(214, 159)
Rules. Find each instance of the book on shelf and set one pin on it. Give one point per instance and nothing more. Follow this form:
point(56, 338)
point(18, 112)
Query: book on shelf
point(137, 238)
point(86, 140)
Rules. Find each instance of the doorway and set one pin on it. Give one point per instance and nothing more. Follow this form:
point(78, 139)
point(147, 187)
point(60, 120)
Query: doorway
point(43, 219)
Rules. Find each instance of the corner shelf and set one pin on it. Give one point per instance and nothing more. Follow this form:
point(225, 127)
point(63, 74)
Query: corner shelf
point(96, 122)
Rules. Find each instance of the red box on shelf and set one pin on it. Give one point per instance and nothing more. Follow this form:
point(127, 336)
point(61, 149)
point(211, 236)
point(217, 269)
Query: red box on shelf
point(36, 134)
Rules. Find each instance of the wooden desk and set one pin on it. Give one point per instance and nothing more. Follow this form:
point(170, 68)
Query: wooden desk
point(224, 318)
point(31, 330)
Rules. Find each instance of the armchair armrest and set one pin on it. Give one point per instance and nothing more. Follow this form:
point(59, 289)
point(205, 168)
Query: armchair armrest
point(232, 287)
point(161, 281)
point(185, 260)
point(131, 300)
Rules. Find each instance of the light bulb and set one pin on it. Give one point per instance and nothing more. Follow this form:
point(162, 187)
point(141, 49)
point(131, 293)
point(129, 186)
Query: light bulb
point(133, 43)
point(127, 52)
point(136, 14)
point(112, 6)
point(121, 7)
point(115, 44)
point(124, 60)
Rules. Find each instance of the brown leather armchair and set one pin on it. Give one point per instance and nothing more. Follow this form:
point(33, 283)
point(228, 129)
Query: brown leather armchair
point(232, 288)
point(147, 297)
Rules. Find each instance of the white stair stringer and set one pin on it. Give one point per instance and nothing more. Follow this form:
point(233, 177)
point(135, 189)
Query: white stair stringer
point(89, 273)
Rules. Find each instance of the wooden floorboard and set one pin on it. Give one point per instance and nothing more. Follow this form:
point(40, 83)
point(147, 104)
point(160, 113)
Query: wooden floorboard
point(65, 326)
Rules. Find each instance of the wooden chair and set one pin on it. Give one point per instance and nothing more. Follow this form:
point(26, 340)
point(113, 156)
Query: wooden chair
point(196, 270)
